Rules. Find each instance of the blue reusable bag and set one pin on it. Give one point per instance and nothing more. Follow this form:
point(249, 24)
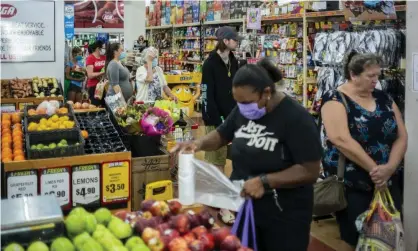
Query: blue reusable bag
point(248, 225)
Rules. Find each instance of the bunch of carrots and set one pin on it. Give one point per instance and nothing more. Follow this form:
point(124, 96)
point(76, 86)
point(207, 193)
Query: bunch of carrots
point(11, 137)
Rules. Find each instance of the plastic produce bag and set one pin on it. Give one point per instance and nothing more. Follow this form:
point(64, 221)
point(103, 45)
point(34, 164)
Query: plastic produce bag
point(247, 223)
point(201, 182)
point(380, 227)
point(48, 107)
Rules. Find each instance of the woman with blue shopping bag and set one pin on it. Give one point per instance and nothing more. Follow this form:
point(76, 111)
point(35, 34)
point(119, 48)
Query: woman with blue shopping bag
point(276, 150)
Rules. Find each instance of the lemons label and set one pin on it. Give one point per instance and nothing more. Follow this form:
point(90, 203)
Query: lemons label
point(115, 181)
point(22, 184)
point(56, 181)
point(86, 185)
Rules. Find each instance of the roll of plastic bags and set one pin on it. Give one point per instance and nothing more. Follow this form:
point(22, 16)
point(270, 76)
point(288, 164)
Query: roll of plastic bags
point(203, 183)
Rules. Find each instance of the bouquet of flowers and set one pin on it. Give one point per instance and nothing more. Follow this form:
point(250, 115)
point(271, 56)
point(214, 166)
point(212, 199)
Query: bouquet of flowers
point(129, 117)
point(156, 122)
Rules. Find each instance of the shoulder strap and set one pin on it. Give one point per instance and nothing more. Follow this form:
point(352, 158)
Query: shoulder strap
point(341, 158)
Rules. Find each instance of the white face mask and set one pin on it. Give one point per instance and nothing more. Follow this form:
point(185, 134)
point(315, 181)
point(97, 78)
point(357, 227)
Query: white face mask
point(102, 51)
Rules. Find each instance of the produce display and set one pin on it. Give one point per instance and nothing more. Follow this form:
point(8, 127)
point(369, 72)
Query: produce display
point(78, 105)
point(45, 87)
point(159, 226)
point(20, 88)
point(5, 89)
point(55, 122)
point(62, 143)
point(11, 138)
point(99, 133)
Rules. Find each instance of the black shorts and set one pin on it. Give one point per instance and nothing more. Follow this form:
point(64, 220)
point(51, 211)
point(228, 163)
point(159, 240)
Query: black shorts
point(284, 230)
point(358, 201)
point(93, 101)
point(74, 88)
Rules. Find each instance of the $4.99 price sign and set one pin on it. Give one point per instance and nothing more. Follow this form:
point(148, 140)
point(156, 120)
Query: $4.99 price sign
point(86, 185)
point(22, 184)
point(56, 181)
point(115, 182)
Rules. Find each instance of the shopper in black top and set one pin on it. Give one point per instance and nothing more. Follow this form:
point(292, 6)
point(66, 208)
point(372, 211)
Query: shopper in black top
point(218, 71)
point(276, 150)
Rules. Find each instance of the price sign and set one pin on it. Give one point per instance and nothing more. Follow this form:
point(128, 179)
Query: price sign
point(116, 181)
point(22, 184)
point(86, 185)
point(56, 181)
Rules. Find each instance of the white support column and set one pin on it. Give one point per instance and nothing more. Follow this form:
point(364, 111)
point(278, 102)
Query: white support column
point(411, 120)
point(134, 21)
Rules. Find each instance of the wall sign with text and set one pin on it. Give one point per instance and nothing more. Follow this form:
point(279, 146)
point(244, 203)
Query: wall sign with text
point(56, 181)
point(115, 182)
point(86, 185)
point(27, 31)
point(22, 184)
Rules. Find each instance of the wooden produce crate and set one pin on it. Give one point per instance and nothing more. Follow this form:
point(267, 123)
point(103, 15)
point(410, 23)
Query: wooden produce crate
point(146, 170)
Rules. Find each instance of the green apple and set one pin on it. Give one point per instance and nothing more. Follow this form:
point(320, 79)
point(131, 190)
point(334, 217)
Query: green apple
point(52, 145)
point(78, 211)
point(118, 248)
point(75, 224)
point(140, 247)
point(63, 142)
point(62, 244)
point(38, 246)
point(80, 239)
point(103, 216)
point(133, 241)
point(91, 245)
point(120, 229)
point(14, 247)
point(91, 223)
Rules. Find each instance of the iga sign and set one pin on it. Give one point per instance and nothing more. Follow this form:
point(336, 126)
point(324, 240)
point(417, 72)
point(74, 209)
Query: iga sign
point(99, 14)
point(27, 31)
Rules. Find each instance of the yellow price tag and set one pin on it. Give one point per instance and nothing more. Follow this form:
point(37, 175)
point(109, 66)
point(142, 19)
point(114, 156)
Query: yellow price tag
point(115, 182)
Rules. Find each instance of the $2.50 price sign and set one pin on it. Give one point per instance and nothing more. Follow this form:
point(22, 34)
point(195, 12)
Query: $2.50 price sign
point(56, 181)
point(86, 185)
point(22, 184)
point(115, 181)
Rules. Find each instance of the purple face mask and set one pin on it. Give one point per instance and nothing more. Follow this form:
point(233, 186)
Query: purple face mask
point(251, 111)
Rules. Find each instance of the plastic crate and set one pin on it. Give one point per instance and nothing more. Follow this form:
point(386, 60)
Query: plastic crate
point(71, 136)
point(37, 118)
point(28, 107)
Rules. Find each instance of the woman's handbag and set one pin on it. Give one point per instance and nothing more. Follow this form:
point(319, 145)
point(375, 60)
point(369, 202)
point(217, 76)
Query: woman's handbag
point(329, 193)
point(247, 225)
point(380, 227)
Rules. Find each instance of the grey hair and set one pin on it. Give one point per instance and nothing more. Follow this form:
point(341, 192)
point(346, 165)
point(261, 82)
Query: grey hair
point(146, 52)
point(356, 63)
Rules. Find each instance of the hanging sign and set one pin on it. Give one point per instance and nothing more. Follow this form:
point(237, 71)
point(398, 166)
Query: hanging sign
point(86, 185)
point(254, 19)
point(22, 184)
point(56, 181)
point(27, 31)
point(369, 10)
point(115, 182)
point(69, 21)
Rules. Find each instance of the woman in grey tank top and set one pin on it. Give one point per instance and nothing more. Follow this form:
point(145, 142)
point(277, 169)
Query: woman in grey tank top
point(118, 74)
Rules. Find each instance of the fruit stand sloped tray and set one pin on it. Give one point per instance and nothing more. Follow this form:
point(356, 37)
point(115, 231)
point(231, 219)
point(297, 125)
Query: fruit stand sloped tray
point(37, 120)
point(51, 145)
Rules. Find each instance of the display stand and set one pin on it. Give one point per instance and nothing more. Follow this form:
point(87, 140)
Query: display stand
point(7, 104)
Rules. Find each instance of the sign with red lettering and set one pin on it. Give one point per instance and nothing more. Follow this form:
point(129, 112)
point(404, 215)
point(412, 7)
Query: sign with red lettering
point(27, 31)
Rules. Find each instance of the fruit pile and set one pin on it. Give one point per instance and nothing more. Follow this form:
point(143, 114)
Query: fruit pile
point(55, 122)
point(11, 138)
point(45, 87)
point(62, 143)
point(78, 105)
point(42, 111)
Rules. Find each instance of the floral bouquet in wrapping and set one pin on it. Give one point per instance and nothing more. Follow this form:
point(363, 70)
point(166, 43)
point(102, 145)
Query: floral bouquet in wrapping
point(156, 122)
point(129, 117)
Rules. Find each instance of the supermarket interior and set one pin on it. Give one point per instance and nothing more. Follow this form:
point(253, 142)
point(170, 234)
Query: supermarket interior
point(100, 99)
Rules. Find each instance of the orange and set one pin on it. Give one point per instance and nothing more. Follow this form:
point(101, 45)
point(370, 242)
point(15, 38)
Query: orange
point(6, 116)
point(17, 125)
point(7, 159)
point(5, 145)
point(17, 138)
point(7, 155)
point(19, 157)
point(6, 139)
point(16, 118)
point(17, 152)
point(18, 144)
point(5, 123)
point(85, 134)
point(6, 130)
point(17, 134)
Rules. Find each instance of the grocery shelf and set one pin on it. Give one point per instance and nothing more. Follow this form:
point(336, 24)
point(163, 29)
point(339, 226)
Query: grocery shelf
point(162, 27)
point(229, 21)
point(186, 38)
point(185, 25)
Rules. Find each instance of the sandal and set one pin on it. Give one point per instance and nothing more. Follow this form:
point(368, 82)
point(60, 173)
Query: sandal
point(226, 216)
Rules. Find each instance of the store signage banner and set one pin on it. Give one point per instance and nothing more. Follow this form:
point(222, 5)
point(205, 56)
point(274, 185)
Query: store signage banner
point(115, 182)
point(69, 21)
point(98, 14)
point(369, 10)
point(56, 181)
point(22, 184)
point(86, 185)
point(254, 19)
point(27, 31)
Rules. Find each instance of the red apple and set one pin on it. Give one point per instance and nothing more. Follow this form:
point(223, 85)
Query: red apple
point(178, 244)
point(197, 245)
point(141, 224)
point(219, 234)
point(156, 244)
point(146, 205)
point(168, 235)
point(208, 241)
point(149, 233)
point(198, 231)
point(123, 214)
point(181, 223)
point(230, 243)
point(245, 249)
point(175, 206)
point(147, 215)
point(162, 227)
point(194, 219)
point(159, 208)
point(189, 237)
point(207, 219)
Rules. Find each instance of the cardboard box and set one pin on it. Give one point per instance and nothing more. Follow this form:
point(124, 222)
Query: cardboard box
point(146, 170)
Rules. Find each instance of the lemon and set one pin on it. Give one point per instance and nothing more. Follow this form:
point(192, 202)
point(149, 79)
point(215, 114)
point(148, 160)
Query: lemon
point(64, 118)
point(43, 121)
point(55, 118)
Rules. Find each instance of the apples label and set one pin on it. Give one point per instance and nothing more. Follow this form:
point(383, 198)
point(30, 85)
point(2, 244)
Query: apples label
point(56, 181)
point(22, 184)
point(116, 181)
point(86, 185)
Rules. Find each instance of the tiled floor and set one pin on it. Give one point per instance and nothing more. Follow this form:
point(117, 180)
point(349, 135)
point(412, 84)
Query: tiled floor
point(324, 234)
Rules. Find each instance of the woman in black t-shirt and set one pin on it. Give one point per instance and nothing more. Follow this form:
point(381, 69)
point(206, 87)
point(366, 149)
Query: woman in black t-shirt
point(276, 150)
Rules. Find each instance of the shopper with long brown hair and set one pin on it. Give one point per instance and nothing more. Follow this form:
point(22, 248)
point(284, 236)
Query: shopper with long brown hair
point(95, 63)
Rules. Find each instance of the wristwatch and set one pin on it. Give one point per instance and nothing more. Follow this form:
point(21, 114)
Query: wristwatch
point(265, 182)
